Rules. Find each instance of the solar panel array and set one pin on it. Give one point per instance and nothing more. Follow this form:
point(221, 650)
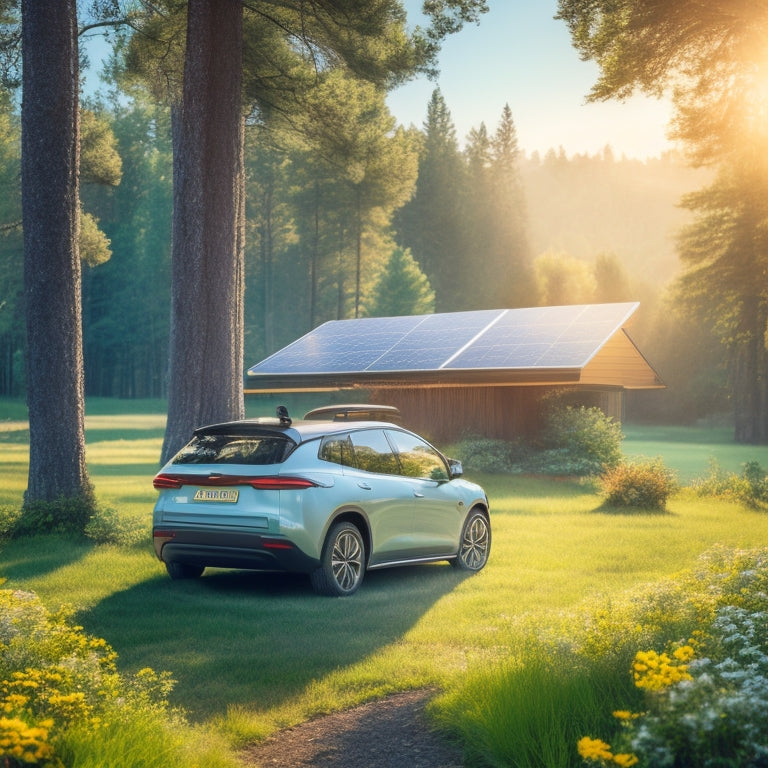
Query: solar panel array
point(501, 339)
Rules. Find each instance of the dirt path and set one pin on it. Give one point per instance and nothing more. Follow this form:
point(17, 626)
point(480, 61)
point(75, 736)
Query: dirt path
point(389, 733)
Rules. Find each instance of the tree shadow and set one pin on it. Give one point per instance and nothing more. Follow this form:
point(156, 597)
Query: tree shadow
point(258, 639)
point(29, 557)
point(623, 511)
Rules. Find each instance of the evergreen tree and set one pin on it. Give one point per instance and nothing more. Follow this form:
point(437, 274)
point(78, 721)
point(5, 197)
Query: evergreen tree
point(52, 279)
point(510, 256)
point(208, 246)
point(11, 254)
point(725, 252)
point(401, 289)
point(431, 224)
point(125, 300)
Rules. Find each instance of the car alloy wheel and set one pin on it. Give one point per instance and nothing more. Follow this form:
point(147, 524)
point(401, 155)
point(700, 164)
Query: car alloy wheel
point(343, 562)
point(475, 544)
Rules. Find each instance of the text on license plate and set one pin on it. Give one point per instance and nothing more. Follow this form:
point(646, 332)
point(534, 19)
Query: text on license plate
point(216, 494)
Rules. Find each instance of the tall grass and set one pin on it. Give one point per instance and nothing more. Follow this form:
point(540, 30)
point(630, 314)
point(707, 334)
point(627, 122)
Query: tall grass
point(253, 652)
point(531, 713)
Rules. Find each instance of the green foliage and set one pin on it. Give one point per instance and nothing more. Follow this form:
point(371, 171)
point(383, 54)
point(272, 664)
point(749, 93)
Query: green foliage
point(402, 288)
point(63, 701)
point(518, 712)
point(531, 712)
point(68, 516)
point(484, 454)
point(578, 442)
point(563, 279)
point(638, 485)
point(704, 699)
point(749, 488)
point(587, 440)
point(108, 526)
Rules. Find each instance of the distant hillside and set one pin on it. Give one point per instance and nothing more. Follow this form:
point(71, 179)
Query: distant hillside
point(589, 205)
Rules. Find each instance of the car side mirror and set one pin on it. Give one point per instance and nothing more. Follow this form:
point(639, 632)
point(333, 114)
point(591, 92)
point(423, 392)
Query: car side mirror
point(455, 468)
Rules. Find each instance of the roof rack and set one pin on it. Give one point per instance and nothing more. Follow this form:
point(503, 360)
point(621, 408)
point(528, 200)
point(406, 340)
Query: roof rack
point(354, 412)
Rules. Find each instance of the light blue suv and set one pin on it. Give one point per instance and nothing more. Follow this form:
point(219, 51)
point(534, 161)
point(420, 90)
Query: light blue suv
point(330, 498)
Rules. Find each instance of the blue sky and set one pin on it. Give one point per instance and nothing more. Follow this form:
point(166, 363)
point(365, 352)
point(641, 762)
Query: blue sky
point(521, 56)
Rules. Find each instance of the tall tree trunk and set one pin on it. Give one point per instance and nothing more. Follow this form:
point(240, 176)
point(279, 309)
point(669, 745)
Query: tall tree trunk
point(748, 372)
point(206, 340)
point(52, 276)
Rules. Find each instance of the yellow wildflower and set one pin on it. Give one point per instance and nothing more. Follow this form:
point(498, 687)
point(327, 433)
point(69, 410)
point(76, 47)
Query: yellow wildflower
point(594, 749)
point(625, 760)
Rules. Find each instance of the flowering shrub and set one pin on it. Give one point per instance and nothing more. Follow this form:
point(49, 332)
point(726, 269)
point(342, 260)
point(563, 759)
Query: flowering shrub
point(22, 744)
point(56, 682)
point(641, 484)
point(706, 701)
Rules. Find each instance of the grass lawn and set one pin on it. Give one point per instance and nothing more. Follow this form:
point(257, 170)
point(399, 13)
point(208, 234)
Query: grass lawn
point(251, 652)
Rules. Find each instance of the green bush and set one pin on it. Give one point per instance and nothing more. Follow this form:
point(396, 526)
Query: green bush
point(107, 526)
point(749, 488)
point(638, 485)
point(584, 440)
point(576, 442)
point(64, 516)
point(484, 454)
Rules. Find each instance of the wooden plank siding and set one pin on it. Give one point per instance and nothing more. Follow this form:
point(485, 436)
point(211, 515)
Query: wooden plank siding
point(445, 414)
point(620, 363)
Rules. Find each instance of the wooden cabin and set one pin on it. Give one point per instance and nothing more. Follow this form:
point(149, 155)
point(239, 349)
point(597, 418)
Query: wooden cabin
point(483, 372)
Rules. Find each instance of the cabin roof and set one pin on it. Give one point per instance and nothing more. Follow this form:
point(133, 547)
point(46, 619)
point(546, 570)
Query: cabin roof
point(576, 344)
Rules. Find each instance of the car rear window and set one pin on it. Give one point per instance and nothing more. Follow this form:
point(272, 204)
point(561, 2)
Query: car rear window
point(235, 449)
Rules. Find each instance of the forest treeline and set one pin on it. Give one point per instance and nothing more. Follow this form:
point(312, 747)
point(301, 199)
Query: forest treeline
point(431, 223)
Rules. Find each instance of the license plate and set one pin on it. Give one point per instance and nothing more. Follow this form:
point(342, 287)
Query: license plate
point(217, 495)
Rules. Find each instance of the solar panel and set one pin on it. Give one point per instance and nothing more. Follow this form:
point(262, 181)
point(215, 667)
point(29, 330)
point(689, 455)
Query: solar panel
point(537, 337)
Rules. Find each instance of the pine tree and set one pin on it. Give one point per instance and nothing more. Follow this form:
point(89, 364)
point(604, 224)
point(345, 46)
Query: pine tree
point(402, 288)
point(431, 224)
point(52, 278)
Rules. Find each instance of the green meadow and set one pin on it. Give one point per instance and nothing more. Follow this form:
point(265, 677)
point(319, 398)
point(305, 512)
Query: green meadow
point(253, 652)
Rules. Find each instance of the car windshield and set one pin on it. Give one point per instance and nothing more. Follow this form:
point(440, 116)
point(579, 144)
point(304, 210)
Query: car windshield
point(234, 449)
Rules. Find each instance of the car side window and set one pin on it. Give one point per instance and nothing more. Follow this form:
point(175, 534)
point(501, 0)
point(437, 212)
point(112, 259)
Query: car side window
point(417, 458)
point(338, 449)
point(373, 453)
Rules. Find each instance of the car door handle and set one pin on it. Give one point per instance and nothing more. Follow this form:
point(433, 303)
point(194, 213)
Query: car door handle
point(364, 486)
point(418, 495)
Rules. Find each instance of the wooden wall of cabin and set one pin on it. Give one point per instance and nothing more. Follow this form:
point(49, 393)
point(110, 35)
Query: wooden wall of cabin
point(446, 414)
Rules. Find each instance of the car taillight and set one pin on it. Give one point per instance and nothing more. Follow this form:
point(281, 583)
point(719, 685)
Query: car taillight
point(274, 483)
point(166, 481)
point(280, 483)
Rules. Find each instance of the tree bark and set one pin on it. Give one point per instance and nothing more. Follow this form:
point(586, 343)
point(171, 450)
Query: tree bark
point(52, 276)
point(206, 340)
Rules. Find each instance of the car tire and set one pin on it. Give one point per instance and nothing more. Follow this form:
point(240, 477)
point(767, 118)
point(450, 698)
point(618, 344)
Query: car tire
point(475, 542)
point(343, 562)
point(184, 570)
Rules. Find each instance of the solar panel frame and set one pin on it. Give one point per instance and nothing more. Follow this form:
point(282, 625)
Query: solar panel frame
point(553, 338)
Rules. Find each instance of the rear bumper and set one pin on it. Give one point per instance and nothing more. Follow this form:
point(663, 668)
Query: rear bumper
point(230, 549)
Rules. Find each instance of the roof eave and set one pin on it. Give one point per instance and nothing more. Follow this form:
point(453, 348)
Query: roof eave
point(319, 382)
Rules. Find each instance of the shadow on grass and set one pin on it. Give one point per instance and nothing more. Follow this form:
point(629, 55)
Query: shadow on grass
point(612, 509)
point(30, 557)
point(103, 434)
point(259, 639)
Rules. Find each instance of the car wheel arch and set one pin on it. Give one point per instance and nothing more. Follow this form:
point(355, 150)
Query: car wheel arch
point(358, 518)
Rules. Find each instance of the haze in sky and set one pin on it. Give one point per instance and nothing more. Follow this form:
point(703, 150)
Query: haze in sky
point(521, 56)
